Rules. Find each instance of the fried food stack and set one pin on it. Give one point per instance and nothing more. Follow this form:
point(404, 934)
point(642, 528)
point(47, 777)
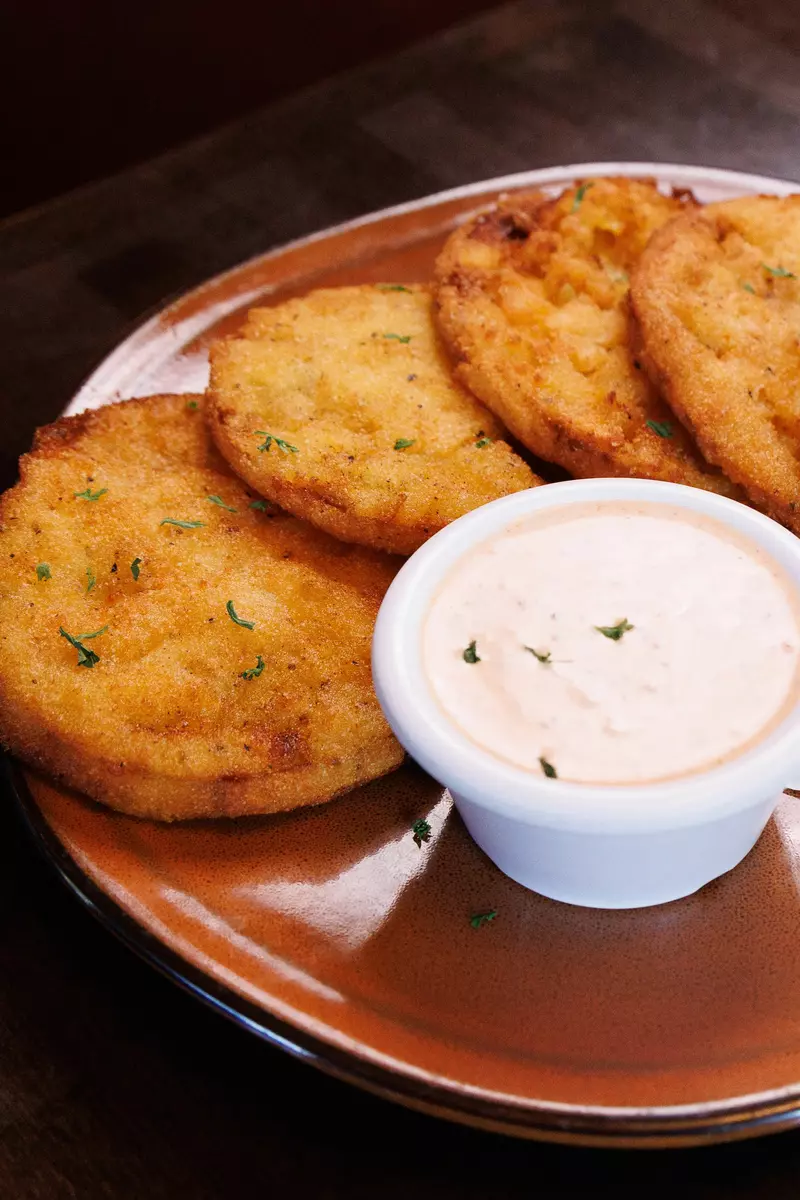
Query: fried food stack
point(172, 642)
point(188, 584)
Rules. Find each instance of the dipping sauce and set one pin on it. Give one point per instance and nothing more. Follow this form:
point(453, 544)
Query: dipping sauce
point(615, 643)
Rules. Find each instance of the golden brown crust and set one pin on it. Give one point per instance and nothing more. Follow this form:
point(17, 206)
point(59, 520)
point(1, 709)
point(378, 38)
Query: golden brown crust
point(164, 725)
point(342, 375)
point(533, 303)
point(721, 337)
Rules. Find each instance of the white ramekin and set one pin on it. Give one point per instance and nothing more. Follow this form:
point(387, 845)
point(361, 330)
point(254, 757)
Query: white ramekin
point(604, 847)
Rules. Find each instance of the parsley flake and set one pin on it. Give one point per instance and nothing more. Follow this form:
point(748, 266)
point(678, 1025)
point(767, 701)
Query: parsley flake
point(253, 672)
point(548, 768)
point(91, 579)
point(615, 632)
point(392, 287)
point(397, 337)
point(421, 831)
point(182, 524)
point(581, 192)
point(483, 442)
point(86, 658)
point(279, 442)
point(238, 620)
point(543, 657)
point(404, 443)
point(192, 405)
point(748, 287)
point(778, 272)
point(260, 505)
point(89, 494)
point(220, 502)
point(470, 655)
point(43, 571)
point(135, 572)
point(662, 428)
point(482, 918)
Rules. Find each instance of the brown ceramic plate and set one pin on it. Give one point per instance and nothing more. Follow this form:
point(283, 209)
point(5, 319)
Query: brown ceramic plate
point(330, 933)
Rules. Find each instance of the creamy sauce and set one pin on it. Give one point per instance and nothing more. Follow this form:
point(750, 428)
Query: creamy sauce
point(709, 666)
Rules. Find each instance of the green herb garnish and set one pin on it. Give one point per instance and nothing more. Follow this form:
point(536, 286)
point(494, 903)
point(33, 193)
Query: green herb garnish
point(548, 768)
point(238, 620)
point(482, 918)
point(43, 571)
point(253, 672)
point(421, 831)
point(221, 503)
point(615, 632)
point(748, 287)
point(470, 654)
point(86, 658)
point(779, 272)
point(396, 337)
point(89, 494)
point(182, 524)
point(135, 572)
point(662, 428)
point(581, 192)
point(483, 442)
point(192, 405)
point(404, 443)
point(91, 579)
point(391, 287)
point(543, 658)
point(279, 442)
point(260, 505)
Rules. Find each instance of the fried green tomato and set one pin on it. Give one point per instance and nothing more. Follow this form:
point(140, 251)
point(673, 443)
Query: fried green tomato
point(717, 296)
point(341, 407)
point(172, 645)
point(533, 303)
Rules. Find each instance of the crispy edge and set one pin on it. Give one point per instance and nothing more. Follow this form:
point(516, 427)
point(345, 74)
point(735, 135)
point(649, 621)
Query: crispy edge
point(66, 432)
point(670, 356)
point(313, 501)
point(543, 431)
point(149, 794)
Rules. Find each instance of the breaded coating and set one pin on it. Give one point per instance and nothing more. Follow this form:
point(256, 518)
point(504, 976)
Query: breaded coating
point(171, 645)
point(533, 303)
point(341, 407)
point(717, 296)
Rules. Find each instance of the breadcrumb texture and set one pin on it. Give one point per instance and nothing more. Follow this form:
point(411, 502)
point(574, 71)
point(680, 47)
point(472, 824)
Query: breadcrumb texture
point(533, 303)
point(717, 296)
point(164, 725)
point(388, 448)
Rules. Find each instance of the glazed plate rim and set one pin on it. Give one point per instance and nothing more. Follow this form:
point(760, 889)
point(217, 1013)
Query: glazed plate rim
point(706, 1121)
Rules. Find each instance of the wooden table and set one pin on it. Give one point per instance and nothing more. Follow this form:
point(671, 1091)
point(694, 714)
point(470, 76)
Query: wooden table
point(112, 1082)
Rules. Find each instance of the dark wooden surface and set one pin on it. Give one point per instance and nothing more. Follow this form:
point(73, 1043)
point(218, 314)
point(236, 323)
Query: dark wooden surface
point(112, 1082)
point(115, 86)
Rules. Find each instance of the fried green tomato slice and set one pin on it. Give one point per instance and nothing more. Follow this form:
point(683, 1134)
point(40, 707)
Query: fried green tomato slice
point(172, 645)
point(717, 296)
point(341, 407)
point(533, 303)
